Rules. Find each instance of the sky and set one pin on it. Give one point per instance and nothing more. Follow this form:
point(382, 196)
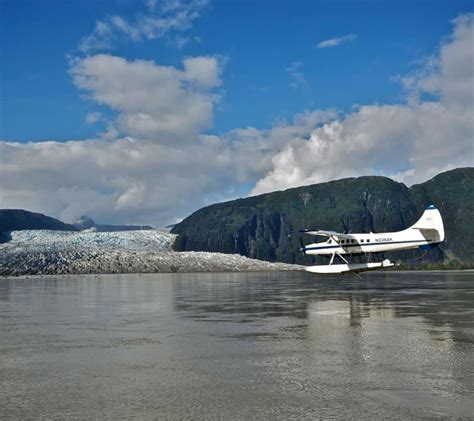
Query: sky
point(145, 111)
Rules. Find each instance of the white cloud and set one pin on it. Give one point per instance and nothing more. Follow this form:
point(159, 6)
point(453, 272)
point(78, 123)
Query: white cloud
point(140, 181)
point(424, 139)
point(297, 78)
point(92, 118)
point(450, 74)
point(167, 21)
point(334, 42)
point(203, 71)
point(151, 4)
point(155, 102)
point(100, 39)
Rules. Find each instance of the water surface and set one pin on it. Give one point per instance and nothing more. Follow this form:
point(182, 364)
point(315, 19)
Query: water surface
point(238, 346)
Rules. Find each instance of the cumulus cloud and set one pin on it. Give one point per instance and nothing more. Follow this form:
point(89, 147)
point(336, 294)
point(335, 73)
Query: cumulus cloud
point(334, 42)
point(155, 102)
point(411, 141)
point(140, 181)
point(421, 139)
point(449, 74)
point(166, 19)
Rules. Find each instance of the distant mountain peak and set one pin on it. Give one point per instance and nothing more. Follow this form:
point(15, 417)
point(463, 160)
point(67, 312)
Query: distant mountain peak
point(87, 223)
point(84, 223)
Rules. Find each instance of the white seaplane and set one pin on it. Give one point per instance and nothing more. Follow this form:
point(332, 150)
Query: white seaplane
point(424, 234)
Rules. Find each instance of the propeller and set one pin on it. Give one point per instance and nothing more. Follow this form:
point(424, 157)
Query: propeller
point(302, 249)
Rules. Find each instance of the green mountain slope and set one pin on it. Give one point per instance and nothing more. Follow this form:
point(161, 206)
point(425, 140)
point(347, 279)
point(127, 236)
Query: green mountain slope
point(266, 227)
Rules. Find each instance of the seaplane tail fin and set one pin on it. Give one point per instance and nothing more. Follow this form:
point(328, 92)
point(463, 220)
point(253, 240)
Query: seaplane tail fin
point(430, 221)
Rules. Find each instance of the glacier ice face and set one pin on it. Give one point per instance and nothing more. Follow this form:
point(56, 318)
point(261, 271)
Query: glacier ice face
point(59, 252)
point(149, 240)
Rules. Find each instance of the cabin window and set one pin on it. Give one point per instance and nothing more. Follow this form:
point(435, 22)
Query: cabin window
point(342, 241)
point(352, 241)
point(361, 240)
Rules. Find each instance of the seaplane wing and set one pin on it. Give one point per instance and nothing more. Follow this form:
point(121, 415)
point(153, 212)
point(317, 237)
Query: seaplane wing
point(330, 234)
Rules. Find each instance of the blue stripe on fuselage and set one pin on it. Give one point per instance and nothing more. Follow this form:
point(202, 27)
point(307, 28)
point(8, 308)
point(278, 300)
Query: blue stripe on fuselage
point(362, 245)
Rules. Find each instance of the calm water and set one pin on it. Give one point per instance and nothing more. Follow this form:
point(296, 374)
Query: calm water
point(238, 346)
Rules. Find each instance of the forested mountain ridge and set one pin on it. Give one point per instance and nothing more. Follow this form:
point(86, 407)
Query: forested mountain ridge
point(20, 219)
point(266, 226)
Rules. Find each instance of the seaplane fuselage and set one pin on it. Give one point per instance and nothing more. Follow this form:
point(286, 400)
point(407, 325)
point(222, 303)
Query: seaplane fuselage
point(373, 243)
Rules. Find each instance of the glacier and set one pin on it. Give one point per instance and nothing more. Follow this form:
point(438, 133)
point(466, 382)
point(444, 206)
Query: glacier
point(41, 252)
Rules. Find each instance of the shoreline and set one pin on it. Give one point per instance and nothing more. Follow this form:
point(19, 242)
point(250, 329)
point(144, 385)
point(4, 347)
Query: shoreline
point(27, 276)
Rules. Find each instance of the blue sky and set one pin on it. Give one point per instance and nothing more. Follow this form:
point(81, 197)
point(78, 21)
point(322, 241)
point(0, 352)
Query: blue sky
point(260, 41)
point(144, 111)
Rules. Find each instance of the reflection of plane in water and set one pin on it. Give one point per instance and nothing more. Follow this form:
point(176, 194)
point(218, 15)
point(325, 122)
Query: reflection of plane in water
point(424, 234)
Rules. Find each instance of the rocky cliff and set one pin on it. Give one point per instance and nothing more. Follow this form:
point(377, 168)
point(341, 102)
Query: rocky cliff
point(266, 226)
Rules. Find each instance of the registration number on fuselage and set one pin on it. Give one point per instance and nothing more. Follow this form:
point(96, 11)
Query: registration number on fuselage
point(383, 240)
